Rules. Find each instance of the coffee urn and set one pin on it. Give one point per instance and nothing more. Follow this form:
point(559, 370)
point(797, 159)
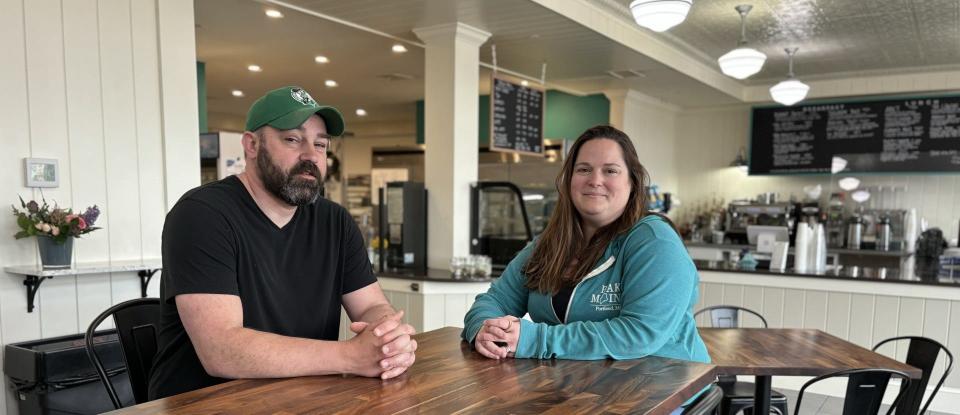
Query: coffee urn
point(854, 232)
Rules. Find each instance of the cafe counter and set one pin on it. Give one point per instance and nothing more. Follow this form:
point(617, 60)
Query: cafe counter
point(430, 300)
point(863, 305)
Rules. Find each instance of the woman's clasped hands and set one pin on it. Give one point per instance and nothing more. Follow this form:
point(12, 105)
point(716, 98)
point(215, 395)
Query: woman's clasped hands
point(498, 337)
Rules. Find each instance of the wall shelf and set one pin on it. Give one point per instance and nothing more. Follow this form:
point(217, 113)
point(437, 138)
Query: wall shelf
point(34, 275)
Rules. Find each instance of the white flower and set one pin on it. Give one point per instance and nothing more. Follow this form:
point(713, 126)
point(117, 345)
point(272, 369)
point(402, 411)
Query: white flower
point(39, 226)
point(55, 231)
point(46, 227)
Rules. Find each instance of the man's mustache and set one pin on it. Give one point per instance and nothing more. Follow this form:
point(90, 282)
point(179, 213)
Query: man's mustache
point(305, 167)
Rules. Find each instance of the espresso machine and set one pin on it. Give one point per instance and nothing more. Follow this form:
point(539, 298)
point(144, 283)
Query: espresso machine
point(741, 214)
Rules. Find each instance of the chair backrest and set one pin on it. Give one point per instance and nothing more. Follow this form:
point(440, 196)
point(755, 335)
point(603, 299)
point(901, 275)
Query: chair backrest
point(706, 404)
point(137, 322)
point(922, 353)
point(727, 316)
point(865, 389)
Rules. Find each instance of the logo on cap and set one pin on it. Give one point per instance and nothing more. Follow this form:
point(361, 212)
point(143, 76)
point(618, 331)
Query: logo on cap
point(302, 97)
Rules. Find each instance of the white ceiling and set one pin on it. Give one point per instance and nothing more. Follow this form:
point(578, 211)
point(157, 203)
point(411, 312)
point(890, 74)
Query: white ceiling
point(833, 36)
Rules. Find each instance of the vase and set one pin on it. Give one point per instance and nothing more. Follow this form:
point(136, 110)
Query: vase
point(53, 254)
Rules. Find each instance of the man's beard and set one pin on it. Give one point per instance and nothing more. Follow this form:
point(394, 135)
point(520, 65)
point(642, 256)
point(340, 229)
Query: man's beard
point(290, 187)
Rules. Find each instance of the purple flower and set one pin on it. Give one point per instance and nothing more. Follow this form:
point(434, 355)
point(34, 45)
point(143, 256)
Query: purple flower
point(33, 207)
point(91, 215)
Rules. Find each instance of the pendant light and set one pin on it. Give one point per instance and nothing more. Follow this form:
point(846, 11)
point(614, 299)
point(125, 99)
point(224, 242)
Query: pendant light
point(789, 91)
point(742, 62)
point(660, 15)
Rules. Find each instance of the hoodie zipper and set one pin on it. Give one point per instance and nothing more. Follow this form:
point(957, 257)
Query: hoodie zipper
point(596, 271)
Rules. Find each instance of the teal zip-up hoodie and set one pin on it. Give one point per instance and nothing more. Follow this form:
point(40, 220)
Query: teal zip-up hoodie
point(637, 301)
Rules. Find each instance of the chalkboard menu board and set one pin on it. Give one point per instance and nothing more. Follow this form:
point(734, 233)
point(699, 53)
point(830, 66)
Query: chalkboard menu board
point(516, 117)
point(891, 135)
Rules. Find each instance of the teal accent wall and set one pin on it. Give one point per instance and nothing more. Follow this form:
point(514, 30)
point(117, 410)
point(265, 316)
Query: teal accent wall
point(566, 116)
point(202, 95)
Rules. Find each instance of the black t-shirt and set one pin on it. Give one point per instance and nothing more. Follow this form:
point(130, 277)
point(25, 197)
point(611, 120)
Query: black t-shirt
point(290, 280)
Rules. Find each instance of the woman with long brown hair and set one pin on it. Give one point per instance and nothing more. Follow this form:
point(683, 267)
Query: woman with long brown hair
point(605, 279)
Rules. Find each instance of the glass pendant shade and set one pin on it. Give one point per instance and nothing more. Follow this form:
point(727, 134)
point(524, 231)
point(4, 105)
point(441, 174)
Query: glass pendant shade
point(660, 15)
point(789, 92)
point(742, 62)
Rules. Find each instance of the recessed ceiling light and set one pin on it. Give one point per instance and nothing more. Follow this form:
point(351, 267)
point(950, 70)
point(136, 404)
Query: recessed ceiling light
point(321, 59)
point(330, 83)
point(361, 112)
point(254, 68)
point(274, 13)
point(524, 82)
point(237, 93)
point(398, 48)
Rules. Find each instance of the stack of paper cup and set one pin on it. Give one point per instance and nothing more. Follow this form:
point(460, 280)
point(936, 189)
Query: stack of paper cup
point(801, 251)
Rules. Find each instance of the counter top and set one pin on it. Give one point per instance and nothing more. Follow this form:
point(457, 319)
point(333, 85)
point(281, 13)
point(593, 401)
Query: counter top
point(432, 274)
point(841, 273)
point(841, 251)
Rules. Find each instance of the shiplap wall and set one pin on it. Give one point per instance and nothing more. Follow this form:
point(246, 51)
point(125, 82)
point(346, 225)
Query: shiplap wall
point(708, 139)
point(86, 82)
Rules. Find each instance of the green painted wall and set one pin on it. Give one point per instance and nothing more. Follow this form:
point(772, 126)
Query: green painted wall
point(566, 116)
point(202, 95)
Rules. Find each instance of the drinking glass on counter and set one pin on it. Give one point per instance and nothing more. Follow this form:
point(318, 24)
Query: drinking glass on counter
point(471, 266)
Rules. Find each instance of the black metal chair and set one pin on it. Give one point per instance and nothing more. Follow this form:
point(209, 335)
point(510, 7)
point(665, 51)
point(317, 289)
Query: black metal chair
point(865, 389)
point(738, 396)
point(137, 322)
point(922, 353)
point(707, 404)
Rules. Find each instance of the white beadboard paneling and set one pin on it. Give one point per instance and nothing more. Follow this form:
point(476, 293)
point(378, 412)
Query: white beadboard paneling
point(936, 325)
point(712, 294)
point(454, 308)
point(45, 88)
point(146, 76)
point(752, 299)
point(953, 343)
point(773, 299)
point(793, 305)
point(838, 314)
point(732, 294)
point(885, 320)
point(85, 116)
point(178, 87)
point(49, 139)
point(119, 126)
point(815, 310)
point(910, 322)
point(861, 319)
point(433, 306)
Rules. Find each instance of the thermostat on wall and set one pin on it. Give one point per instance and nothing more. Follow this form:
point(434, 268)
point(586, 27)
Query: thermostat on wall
point(41, 172)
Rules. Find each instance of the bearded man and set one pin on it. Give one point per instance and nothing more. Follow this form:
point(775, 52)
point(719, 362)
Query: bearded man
point(257, 266)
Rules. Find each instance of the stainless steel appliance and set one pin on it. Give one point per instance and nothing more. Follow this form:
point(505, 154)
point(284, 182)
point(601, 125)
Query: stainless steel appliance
point(742, 214)
point(854, 232)
point(403, 227)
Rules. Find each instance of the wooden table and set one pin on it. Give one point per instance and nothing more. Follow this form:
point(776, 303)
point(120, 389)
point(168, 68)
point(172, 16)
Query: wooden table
point(788, 352)
point(449, 377)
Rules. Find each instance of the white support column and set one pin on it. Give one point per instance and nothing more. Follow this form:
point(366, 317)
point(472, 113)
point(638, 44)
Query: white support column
point(651, 125)
point(451, 83)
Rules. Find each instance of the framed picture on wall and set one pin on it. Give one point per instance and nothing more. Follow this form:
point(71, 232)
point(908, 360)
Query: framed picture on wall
point(41, 172)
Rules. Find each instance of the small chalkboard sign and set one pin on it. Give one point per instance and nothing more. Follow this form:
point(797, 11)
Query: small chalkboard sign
point(516, 117)
point(908, 135)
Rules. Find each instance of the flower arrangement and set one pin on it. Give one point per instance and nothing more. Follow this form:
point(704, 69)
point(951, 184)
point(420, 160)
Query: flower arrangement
point(35, 219)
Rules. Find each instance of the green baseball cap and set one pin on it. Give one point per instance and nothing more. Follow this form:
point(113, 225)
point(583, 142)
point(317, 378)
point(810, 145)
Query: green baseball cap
point(288, 107)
